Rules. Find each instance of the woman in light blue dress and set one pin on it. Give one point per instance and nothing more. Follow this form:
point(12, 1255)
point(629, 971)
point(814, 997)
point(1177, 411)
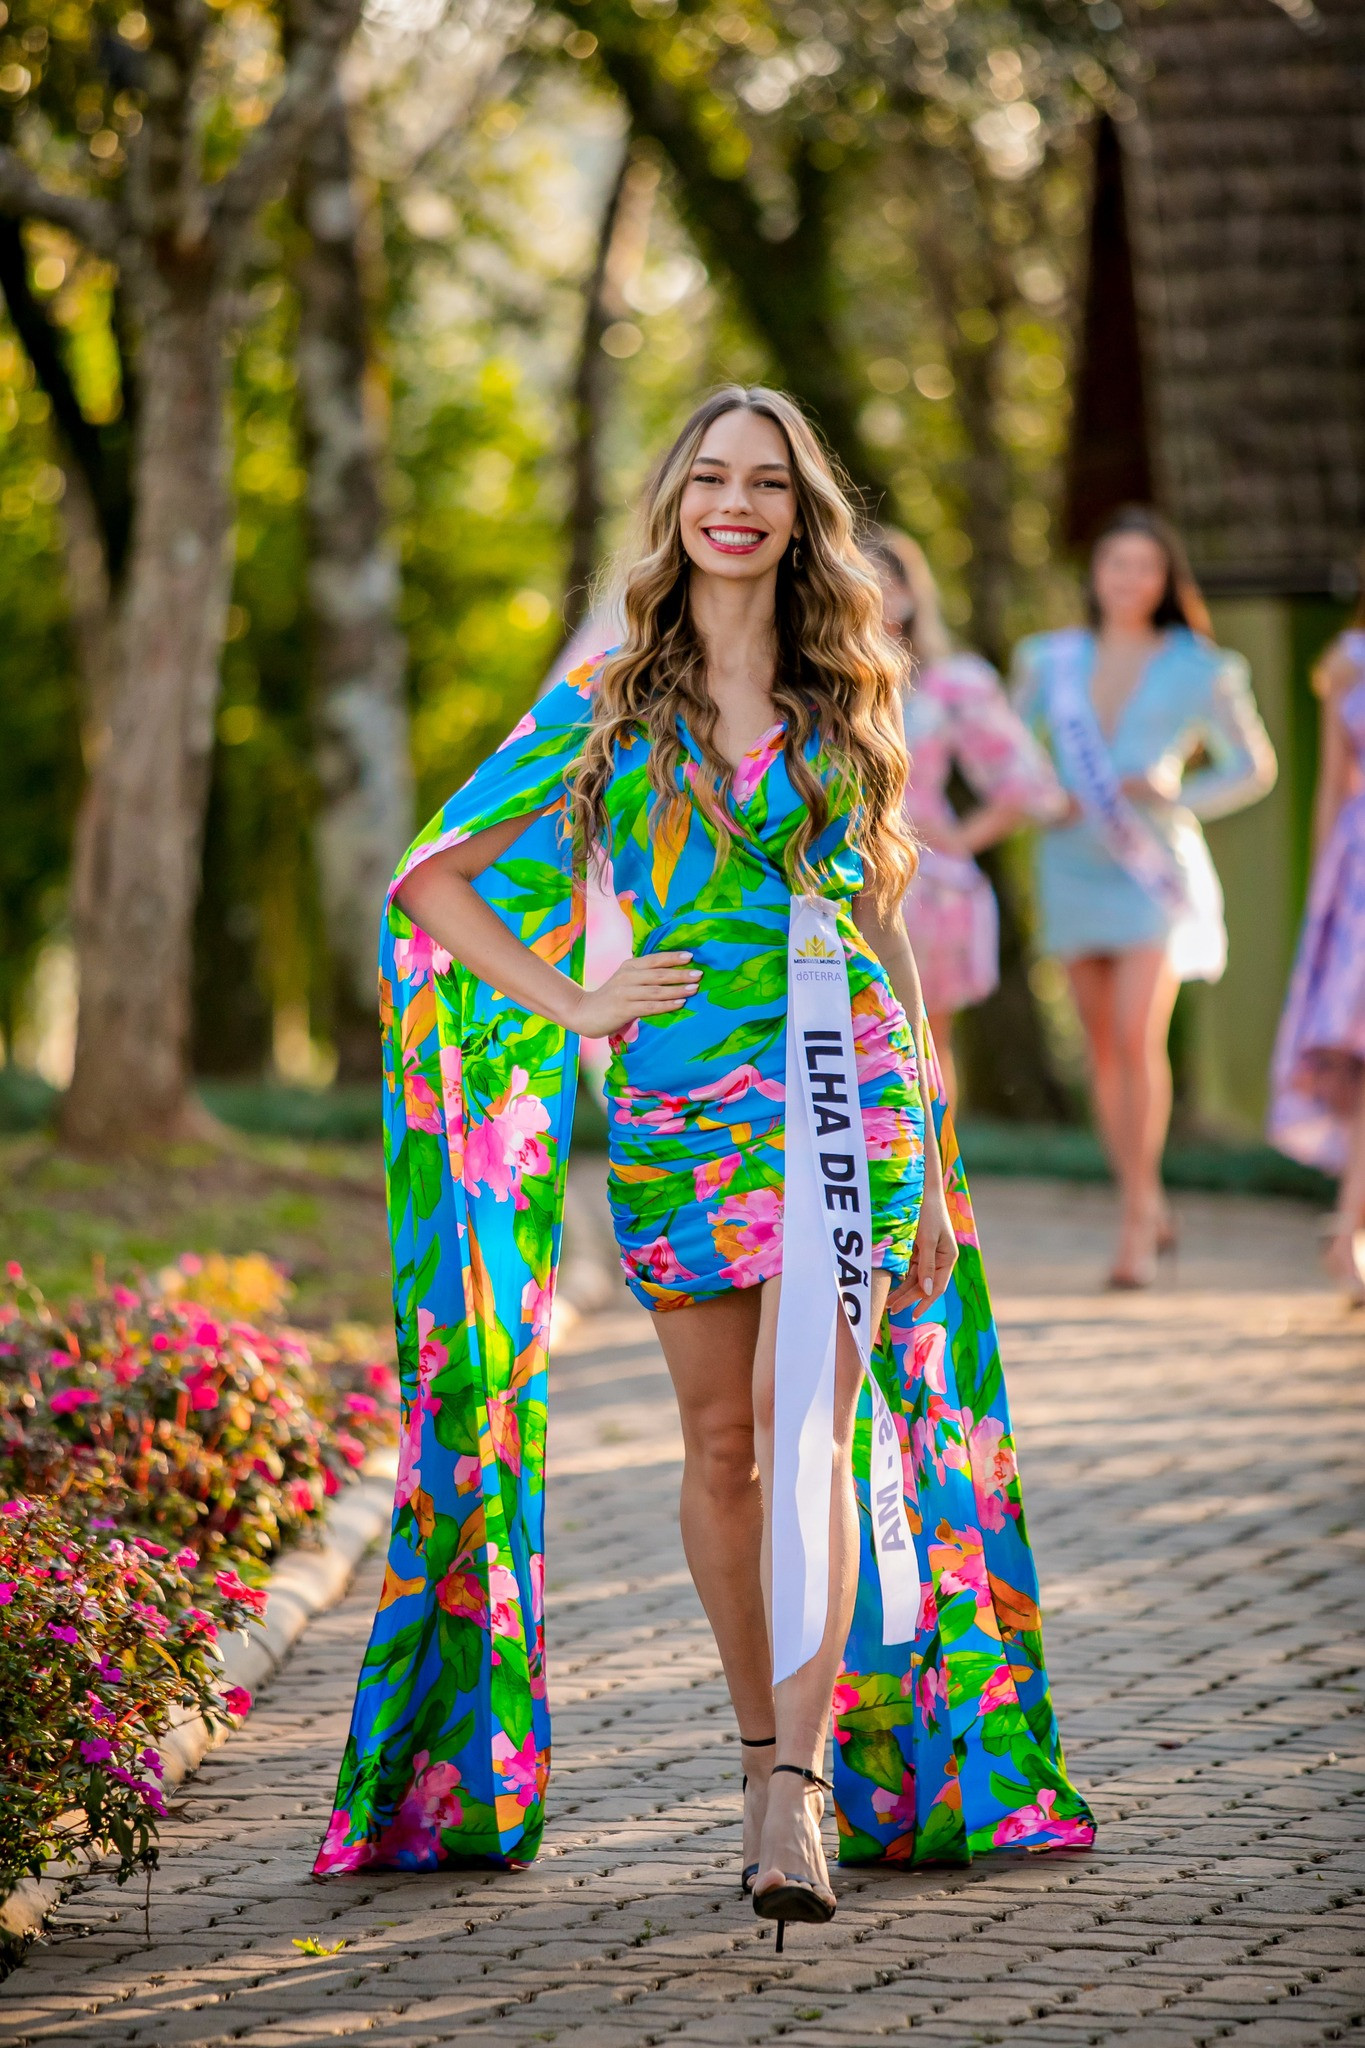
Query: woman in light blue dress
point(1151, 727)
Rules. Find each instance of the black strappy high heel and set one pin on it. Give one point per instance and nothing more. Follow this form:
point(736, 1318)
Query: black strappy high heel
point(750, 1870)
point(796, 1898)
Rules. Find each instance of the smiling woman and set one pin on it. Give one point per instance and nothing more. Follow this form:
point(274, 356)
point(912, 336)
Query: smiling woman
point(739, 761)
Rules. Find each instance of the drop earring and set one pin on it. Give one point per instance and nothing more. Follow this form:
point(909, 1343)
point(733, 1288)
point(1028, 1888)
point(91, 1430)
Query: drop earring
point(798, 559)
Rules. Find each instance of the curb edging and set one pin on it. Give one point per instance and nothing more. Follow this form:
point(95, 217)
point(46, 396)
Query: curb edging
point(304, 1584)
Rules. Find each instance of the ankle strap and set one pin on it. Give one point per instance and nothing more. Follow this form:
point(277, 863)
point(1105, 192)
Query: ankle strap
point(758, 1742)
point(800, 1771)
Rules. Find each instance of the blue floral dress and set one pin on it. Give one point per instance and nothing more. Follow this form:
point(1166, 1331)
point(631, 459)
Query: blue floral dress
point(695, 1097)
point(945, 1745)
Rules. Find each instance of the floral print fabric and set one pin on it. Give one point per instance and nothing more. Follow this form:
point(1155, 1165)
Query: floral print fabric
point(946, 1746)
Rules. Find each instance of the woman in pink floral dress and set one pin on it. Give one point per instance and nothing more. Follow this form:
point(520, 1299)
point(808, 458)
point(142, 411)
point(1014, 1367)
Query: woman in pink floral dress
point(956, 717)
point(1318, 1107)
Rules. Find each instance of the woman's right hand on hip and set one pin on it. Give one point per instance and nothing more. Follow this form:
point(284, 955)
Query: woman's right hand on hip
point(648, 986)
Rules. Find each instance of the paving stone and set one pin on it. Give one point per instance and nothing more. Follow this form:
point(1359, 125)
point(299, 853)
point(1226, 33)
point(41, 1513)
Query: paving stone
point(1189, 1458)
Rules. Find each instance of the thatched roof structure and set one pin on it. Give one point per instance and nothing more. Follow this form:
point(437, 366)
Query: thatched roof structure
point(1223, 359)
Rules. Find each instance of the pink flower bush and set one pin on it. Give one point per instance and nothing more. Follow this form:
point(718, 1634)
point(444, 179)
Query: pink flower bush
point(68, 1398)
point(507, 1143)
point(747, 1231)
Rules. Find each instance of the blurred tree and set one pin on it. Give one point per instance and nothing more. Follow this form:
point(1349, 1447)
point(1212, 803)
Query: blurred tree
point(168, 198)
point(364, 766)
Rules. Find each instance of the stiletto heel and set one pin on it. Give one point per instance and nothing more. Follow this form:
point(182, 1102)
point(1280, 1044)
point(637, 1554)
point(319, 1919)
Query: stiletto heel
point(796, 1898)
point(750, 1870)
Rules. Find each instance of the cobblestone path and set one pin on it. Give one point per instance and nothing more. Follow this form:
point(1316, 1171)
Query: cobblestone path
point(1189, 1460)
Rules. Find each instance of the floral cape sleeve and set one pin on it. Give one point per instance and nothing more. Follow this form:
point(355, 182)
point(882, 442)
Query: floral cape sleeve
point(449, 1746)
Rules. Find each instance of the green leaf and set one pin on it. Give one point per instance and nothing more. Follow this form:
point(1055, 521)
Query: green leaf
point(875, 1755)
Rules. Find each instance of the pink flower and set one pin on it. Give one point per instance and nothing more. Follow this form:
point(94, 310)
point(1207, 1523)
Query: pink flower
point(927, 1356)
point(124, 1297)
point(931, 1693)
point(960, 1562)
point(461, 1593)
point(208, 1333)
point(151, 1549)
point(161, 1342)
point(993, 1469)
point(7, 1587)
point(337, 1854)
point(127, 1367)
point(714, 1174)
point(431, 1803)
point(422, 1110)
point(417, 956)
point(62, 1632)
point(846, 1701)
point(522, 730)
point(507, 1143)
point(505, 1595)
point(875, 1027)
point(432, 1357)
point(747, 1231)
point(467, 1474)
point(361, 1404)
point(756, 764)
point(350, 1447)
point(897, 1808)
point(97, 1749)
point(237, 1700)
point(519, 1769)
point(233, 1588)
point(63, 1359)
point(889, 1131)
point(300, 1496)
point(452, 1097)
point(409, 1456)
point(656, 1262)
point(197, 1623)
point(15, 1507)
point(185, 1560)
point(536, 1305)
point(735, 1085)
point(330, 1483)
point(998, 1691)
point(68, 1398)
point(1026, 1820)
point(14, 1272)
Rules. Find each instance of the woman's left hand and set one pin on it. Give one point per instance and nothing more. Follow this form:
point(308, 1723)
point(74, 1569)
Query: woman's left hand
point(933, 1258)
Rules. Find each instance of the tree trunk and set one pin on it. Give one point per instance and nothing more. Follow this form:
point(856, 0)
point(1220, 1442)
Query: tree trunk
point(363, 757)
point(620, 242)
point(138, 832)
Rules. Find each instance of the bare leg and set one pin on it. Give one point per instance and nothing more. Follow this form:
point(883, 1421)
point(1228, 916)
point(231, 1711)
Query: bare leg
point(791, 1829)
point(1092, 988)
point(1145, 989)
point(1341, 1253)
point(709, 1350)
point(941, 1029)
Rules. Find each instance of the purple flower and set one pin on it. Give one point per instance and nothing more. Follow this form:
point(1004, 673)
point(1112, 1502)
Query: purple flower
point(72, 1397)
point(62, 1632)
point(152, 1759)
point(6, 1591)
point(103, 1522)
point(97, 1749)
point(109, 1671)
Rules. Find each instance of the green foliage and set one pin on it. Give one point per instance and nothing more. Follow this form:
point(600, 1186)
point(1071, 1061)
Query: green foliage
point(107, 1642)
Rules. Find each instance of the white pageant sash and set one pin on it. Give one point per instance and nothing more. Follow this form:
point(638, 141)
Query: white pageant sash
point(1184, 882)
point(826, 1275)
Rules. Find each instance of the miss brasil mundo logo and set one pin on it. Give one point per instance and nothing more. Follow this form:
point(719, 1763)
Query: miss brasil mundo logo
point(816, 949)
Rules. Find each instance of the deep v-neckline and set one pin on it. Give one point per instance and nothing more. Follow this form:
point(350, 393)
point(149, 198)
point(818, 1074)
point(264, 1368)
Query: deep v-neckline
point(736, 768)
point(1110, 733)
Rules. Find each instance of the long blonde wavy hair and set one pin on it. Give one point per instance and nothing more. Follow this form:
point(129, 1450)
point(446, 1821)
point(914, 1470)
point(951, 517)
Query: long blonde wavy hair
point(837, 673)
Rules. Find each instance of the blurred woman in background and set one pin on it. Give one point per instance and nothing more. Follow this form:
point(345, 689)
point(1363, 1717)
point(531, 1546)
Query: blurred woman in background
point(1128, 897)
point(1318, 1098)
point(957, 717)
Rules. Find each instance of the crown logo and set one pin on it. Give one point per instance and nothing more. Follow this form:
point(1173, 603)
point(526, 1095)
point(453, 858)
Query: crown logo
point(816, 949)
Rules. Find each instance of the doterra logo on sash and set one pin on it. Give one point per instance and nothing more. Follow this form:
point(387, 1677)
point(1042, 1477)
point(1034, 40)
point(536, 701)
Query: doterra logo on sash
point(826, 1268)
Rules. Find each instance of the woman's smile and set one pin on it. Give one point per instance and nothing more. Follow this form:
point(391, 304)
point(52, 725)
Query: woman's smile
point(735, 540)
